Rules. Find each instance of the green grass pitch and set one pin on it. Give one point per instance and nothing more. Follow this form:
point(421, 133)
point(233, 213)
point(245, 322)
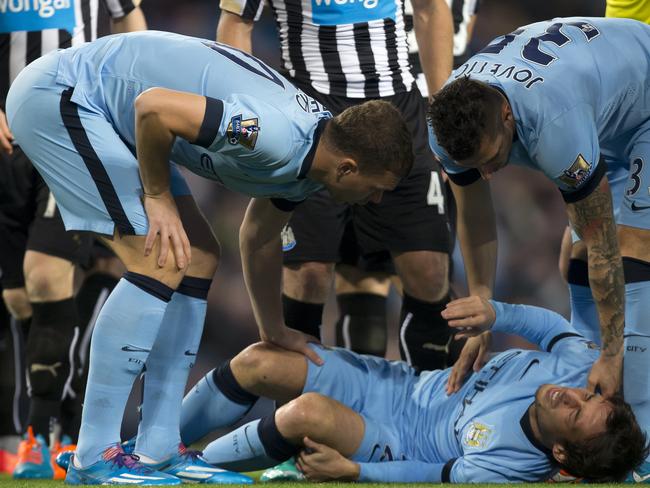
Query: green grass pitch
point(7, 482)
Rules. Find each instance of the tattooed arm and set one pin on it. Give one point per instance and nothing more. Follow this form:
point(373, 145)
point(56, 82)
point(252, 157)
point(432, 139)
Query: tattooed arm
point(593, 220)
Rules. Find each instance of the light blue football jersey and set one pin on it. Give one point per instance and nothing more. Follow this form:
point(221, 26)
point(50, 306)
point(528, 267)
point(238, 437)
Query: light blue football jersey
point(482, 433)
point(578, 88)
point(262, 130)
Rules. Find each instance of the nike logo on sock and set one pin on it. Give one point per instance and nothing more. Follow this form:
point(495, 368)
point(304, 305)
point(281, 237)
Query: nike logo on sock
point(131, 348)
point(189, 353)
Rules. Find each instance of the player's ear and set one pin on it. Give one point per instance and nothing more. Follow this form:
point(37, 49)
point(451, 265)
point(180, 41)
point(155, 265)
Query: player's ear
point(506, 111)
point(559, 453)
point(346, 166)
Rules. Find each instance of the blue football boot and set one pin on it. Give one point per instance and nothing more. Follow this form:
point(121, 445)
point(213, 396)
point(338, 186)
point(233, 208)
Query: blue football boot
point(33, 458)
point(117, 468)
point(63, 459)
point(190, 467)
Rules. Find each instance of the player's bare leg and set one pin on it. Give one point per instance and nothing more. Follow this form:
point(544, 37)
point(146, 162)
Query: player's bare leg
point(423, 332)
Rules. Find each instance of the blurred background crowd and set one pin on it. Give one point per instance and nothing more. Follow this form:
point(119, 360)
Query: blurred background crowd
point(531, 215)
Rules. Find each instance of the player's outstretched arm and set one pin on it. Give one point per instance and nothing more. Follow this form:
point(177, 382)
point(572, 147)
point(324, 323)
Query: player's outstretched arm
point(132, 22)
point(477, 235)
point(260, 246)
point(434, 31)
point(161, 115)
point(235, 31)
point(593, 220)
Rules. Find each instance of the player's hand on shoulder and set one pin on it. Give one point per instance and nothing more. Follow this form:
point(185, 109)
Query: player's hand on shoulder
point(294, 340)
point(472, 358)
point(470, 315)
point(319, 462)
point(164, 221)
point(6, 137)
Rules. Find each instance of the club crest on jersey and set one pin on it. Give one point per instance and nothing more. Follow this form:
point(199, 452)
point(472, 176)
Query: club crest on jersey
point(243, 131)
point(577, 173)
point(477, 435)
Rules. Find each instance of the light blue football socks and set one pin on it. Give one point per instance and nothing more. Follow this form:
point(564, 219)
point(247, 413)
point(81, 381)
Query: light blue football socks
point(124, 334)
point(216, 401)
point(636, 369)
point(253, 446)
point(168, 367)
point(584, 315)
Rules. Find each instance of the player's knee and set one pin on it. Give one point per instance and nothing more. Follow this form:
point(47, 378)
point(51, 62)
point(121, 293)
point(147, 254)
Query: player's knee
point(308, 282)
point(254, 360)
point(206, 259)
point(304, 416)
point(17, 303)
point(48, 279)
point(428, 279)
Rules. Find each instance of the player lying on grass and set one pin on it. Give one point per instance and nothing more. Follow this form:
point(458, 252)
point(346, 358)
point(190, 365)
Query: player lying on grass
point(101, 123)
point(520, 417)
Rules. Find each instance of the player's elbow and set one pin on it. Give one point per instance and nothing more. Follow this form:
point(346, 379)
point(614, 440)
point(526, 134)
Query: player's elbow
point(149, 102)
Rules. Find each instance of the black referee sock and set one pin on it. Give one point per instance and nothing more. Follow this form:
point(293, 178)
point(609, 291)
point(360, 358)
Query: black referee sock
point(424, 334)
point(303, 316)
point(48, 364)
point(89, 299)
point(362, 323)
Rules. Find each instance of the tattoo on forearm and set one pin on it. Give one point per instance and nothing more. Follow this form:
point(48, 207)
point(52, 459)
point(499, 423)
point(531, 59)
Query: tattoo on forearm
point(593, 220)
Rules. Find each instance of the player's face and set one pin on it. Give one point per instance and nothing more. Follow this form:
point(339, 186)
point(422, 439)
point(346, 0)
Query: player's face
point(358, 188)
point(494, 151)
point(569, 414)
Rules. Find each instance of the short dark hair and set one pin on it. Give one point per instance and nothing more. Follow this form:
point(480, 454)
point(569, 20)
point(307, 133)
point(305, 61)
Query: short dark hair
point(461, 113)
point(375, 134)
point(610, 456)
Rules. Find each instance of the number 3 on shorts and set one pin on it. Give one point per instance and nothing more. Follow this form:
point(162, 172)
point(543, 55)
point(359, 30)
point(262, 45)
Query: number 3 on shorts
point(435, 195)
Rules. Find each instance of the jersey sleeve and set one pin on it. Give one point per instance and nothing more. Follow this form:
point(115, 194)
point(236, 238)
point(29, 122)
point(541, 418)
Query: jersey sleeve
point(568, 152)
point(537, 325)
point(459, 175)
point(246, 9)
point(120, 8)
point(255, 134)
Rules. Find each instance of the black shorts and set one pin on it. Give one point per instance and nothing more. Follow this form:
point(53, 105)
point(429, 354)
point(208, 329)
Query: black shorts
point(30, 219)
point(410, 218)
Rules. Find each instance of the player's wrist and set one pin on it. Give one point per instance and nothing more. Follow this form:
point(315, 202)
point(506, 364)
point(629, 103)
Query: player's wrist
point(157, 194)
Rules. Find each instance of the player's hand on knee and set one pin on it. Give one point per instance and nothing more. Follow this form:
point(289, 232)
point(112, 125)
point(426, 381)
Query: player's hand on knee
point(472, 358)
point(319, 462)
point(6, 137)
point(164, 221)
point(294, 340)
point(470, 315)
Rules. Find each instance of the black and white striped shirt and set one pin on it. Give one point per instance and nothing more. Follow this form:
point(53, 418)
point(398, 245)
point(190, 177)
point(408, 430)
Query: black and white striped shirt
point(18, 49)
point(350, 48)
point(462, 12)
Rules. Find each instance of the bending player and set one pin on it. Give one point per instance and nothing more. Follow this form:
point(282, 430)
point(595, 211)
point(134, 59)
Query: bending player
point(526, 93)
point(518, 418)
point(227, 117)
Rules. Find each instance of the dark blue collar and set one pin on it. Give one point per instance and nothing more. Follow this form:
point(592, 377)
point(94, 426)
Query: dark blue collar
point(309, 158)
point(528, 432)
